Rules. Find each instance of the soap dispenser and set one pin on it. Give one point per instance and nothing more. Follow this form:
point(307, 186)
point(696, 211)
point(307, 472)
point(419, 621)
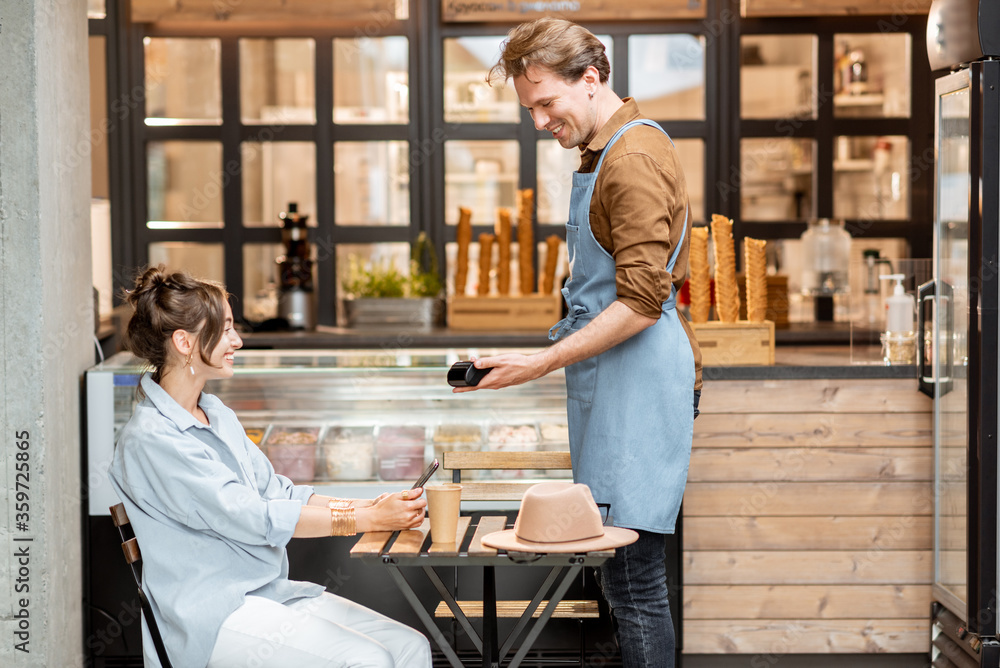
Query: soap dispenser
point(899, 340)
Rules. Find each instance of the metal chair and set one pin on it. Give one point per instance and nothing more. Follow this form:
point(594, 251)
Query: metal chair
point(130, 546)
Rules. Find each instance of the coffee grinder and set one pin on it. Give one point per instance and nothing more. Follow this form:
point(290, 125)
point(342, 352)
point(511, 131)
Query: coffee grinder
point(295, 303)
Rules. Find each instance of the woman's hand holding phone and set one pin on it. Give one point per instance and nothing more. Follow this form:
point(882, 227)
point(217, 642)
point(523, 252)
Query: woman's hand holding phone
point(390, 512)
point(393, 511)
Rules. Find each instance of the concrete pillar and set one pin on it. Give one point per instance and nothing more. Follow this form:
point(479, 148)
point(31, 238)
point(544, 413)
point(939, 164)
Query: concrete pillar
point(46, 326)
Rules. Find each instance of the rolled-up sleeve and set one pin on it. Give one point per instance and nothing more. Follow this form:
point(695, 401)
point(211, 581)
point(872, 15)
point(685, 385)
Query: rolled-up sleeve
point(283, 517)
point(638, 198)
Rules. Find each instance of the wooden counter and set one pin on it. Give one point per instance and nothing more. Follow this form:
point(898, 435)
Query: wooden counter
point(808, 518)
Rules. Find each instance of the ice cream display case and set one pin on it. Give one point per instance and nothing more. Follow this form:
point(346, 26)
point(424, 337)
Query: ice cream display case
point(352, 423)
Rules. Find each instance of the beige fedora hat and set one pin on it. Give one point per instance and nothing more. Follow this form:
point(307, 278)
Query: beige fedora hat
point(559, 517)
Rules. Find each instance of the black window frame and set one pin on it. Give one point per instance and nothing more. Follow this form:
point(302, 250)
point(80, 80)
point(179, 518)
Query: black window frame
point(721, 130)
point(918, 128)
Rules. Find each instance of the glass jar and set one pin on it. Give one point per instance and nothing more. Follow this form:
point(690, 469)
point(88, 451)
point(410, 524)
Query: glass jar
point(826, 252)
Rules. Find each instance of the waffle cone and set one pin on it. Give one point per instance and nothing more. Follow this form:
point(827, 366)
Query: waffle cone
point(463, 235)
point(727, 295)
point(755, 263)
point(551, 257)
point(700, 277)
point(525, 240)
point(503, 233)
point(485, 262)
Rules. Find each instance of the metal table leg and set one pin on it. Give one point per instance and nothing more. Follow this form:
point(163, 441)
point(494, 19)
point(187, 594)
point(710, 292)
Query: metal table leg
point(449, 599)
point(428, 621)
point(530, 610)
point(491, 654)
point(544, 618)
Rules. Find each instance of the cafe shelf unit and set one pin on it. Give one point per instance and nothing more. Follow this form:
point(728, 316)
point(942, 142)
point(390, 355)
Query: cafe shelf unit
point(832, 124)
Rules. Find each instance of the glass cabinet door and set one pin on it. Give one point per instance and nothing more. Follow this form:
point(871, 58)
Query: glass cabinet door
point(950, 331)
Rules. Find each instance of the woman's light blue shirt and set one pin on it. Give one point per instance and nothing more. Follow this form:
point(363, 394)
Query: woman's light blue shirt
point(212, 518)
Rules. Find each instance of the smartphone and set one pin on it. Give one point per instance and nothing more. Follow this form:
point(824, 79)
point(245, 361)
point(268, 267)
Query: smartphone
point(426, 475)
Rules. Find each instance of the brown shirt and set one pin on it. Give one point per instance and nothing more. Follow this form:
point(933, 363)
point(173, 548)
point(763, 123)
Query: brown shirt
point(637, 212)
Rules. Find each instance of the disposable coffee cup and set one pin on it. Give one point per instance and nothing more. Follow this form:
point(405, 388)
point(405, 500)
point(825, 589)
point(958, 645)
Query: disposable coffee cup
point(443, 504)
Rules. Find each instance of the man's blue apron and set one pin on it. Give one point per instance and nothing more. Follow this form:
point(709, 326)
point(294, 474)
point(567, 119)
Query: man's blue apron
point(629, 408)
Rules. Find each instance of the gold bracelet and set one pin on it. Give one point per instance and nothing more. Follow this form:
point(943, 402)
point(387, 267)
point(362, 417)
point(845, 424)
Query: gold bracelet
point(339, 503)
point(343, 522)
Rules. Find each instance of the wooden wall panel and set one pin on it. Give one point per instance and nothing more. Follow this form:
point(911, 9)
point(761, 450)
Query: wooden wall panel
point(808, 567)
point(774, 638)
point(953, 536)
point(804, 533)
point(767, 497)
point(811, 464)
point(954, 497)
point(878, 396)
point(894, 8)
point(285, 11)
point(781, 430)
point(954, 565)
point(808, 523)
point(806, 601)
point(577, 10)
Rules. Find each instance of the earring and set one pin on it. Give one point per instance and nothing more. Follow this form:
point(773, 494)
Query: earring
point(591, 95)
point(189, 364)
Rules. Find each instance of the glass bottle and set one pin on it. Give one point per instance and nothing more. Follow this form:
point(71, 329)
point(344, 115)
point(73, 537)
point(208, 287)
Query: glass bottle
point(857, 83)
point(826, 247)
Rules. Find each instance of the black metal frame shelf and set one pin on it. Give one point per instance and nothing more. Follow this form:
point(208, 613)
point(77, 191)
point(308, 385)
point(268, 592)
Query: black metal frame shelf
point(721, 131)
point(825, 127)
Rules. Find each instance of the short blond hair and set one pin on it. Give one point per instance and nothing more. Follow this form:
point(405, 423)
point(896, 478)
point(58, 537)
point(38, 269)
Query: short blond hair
point(560, 46)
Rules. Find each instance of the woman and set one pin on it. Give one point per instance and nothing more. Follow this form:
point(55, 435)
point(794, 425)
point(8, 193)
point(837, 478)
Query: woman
point(213, 518)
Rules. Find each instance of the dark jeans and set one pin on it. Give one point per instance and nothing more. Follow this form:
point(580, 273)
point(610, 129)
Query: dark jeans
point(634, 583)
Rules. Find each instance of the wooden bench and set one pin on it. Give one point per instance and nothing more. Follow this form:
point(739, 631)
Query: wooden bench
point(514, 609)
point(512, 490)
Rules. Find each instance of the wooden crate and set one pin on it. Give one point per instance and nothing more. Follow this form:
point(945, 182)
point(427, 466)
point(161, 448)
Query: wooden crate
point(497, 314)
point(735, 343)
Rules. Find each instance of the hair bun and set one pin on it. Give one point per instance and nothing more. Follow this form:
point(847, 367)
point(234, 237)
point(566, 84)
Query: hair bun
point(146, 283)
point(153, 277)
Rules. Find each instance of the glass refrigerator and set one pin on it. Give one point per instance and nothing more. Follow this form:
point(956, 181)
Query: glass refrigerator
point(959, 332)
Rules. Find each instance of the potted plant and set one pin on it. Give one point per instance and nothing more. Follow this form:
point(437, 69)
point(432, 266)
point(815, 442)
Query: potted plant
point(379, 295)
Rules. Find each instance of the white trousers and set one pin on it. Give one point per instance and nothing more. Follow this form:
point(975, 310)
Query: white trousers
point(324, 632)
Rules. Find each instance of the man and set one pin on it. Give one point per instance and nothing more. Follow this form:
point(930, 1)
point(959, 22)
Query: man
point(632, 363)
